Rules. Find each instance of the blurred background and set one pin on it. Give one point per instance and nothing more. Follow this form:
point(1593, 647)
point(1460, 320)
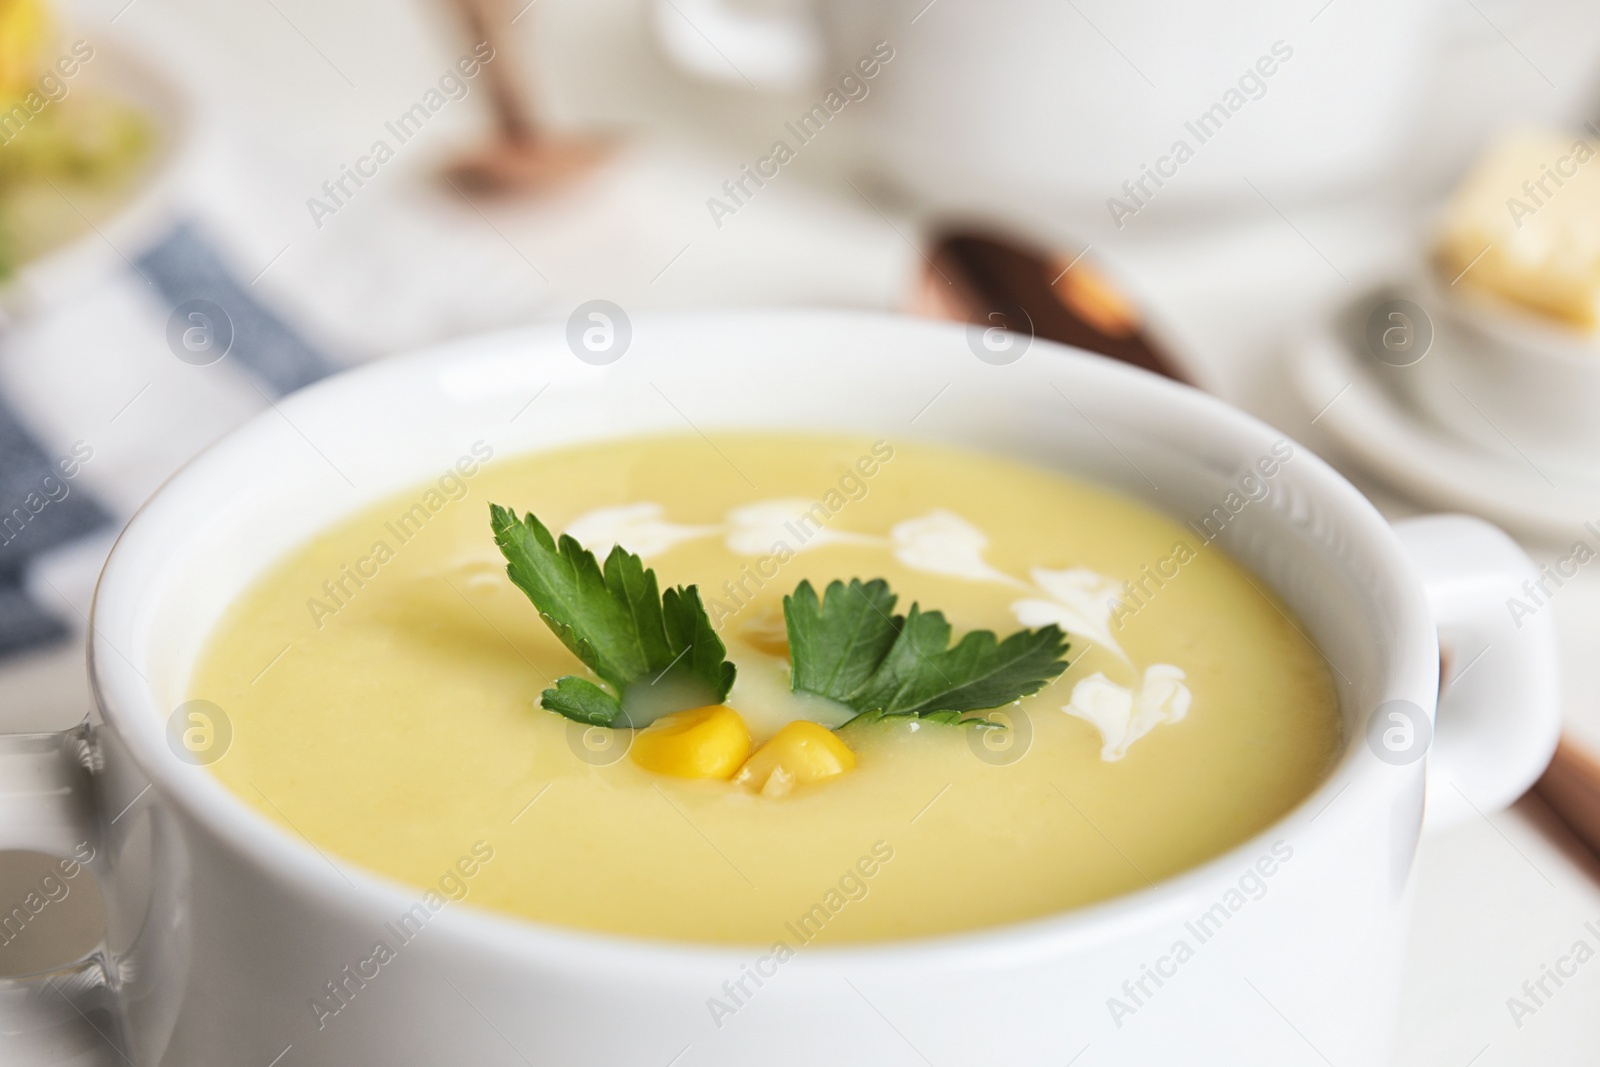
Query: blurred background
point(1370, 222)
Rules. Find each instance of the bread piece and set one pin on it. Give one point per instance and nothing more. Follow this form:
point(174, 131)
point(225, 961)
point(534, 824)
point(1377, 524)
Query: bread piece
point(1525, 226)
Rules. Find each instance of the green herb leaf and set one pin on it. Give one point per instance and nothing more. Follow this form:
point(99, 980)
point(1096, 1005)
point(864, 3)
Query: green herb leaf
point(583, 701)
point(948, 718)
point(847, 647)
point(835, 644)
point(618, 622)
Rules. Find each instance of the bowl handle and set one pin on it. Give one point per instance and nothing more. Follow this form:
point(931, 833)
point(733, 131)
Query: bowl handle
point(1499, 712)
point(47, 791)
point(47, 805)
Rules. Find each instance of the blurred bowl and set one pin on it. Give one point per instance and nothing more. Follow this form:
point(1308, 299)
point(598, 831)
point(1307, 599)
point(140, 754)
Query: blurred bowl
point(113, 230)
point(1510, 379)
point(1024, 112)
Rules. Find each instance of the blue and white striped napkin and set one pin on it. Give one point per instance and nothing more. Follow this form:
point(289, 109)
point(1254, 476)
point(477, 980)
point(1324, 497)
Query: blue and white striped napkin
point(67, 481)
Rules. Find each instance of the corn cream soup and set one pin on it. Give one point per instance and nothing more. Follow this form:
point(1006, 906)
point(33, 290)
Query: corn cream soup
point(383, 685)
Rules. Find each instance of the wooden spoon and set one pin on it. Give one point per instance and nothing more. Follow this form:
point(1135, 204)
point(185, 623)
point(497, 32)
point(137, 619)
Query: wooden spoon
point(974, 275)
point(1571, 787)
point(520, 158)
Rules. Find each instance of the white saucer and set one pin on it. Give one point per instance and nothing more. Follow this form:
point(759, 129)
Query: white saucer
point(1354, 398)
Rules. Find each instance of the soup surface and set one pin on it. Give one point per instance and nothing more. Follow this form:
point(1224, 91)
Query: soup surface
point(383, 682)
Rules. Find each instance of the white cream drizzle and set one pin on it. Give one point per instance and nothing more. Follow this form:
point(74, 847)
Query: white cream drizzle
point(1124, 715)
point(942, 542)
point(638, 528)
point(756, 528)
point(1078, 600)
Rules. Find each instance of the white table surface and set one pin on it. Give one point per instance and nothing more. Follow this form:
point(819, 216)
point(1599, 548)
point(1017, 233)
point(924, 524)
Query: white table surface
point(1496, 899)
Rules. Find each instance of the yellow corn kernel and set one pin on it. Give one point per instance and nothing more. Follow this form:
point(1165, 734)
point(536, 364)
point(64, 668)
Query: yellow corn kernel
point(709, 742)
point(801, 752)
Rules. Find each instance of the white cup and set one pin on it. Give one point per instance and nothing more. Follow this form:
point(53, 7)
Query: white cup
point(1512, 382)
point(225, 927)
point(1049, 115)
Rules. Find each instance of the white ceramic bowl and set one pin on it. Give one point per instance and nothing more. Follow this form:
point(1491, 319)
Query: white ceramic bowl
point(1067, 119)
point(225, 926)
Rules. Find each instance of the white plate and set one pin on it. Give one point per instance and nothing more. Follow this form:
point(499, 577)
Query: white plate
point(1355, 399)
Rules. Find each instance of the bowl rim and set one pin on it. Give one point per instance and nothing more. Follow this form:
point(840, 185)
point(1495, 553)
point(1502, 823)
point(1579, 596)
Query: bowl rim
point(125, 702)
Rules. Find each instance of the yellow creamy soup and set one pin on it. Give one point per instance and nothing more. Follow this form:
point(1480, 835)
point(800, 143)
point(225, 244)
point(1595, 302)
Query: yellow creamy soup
point(401, 729)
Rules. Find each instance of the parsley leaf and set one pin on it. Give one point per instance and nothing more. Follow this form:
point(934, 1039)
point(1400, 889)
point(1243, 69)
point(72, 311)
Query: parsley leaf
point(656, 649)
point(849, 648)
point(582, 701)
point(837, 643)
